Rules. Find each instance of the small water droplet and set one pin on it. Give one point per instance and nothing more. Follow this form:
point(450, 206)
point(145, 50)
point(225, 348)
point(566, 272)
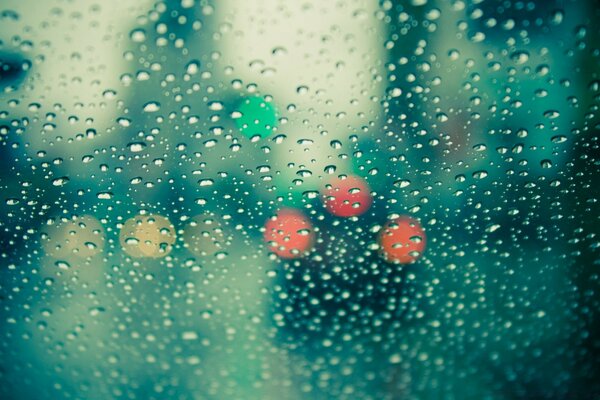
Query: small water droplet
point(152, 106)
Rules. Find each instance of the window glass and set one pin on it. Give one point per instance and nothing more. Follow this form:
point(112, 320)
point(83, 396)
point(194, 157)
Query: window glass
point(350, 199)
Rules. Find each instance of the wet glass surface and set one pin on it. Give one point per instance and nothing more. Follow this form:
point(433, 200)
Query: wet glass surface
point(299, 200)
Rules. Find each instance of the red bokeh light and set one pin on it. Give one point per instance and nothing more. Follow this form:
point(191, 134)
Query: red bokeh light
point(289, 233)
point(402, 240)
point(347, 197)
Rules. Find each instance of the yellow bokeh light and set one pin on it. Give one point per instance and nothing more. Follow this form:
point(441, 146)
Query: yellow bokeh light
point(147, 236)
point(204, 236)
point(82, 236)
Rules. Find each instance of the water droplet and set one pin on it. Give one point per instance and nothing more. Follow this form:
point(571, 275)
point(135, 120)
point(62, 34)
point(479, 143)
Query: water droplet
point(152, 106)
point(546, 163)
point(138, 35)
point(60, 181)
point(192, 67)
point(520, 57)
point(480, 174)
point(105, 195)
point(402, 183)
point(136, 147)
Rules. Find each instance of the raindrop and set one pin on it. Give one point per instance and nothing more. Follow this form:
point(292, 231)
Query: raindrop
point(402, 183)
point(152, 106)
point(520, 57)
point(192, 67)
point(136, 147)
point(138, 35)
point(60, 181)
point(480, 174)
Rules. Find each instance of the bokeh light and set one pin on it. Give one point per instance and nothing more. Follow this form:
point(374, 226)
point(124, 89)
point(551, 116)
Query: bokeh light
point(289, 233)
point(82, 237)
point(254, 116)
point(204, 236)
point(147, 236)
point(402, 240)
point(347, 196)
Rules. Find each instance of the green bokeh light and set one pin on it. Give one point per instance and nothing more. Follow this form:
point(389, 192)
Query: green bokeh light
point(258, 117)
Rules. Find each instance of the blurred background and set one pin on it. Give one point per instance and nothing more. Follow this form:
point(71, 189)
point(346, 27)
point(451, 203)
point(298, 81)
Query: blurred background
point(173, 175)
